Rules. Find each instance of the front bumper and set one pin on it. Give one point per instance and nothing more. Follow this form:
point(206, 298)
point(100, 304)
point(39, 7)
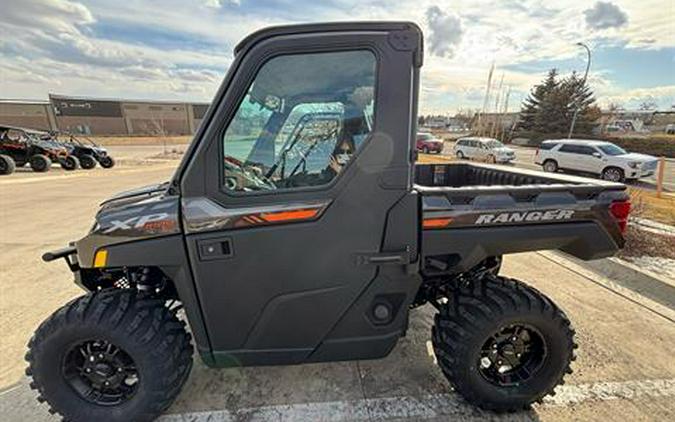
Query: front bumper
point(68, 254)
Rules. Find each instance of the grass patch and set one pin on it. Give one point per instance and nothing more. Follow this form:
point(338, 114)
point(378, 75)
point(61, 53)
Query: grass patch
point(647, 205)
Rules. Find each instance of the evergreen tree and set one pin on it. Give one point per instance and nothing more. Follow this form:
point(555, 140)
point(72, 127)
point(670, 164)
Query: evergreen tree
point(535, 102)
point(550, 106)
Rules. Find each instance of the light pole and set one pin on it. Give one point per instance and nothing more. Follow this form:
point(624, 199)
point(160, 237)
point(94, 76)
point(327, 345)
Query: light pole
point(583, 82)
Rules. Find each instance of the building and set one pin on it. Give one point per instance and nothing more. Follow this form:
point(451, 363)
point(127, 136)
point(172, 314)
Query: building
point(32, 114)
point(96, 116)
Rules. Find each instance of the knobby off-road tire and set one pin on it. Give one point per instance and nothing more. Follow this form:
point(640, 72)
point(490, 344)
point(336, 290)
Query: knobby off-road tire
point(40, 163)
point(142, 330)
point(87, 162)
point(7, 164)
point(475, 316)
point(70, 163)
point(107, 162)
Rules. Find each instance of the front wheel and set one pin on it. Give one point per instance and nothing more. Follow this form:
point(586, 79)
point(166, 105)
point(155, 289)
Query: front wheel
point(111, 355)
point(613, 174)
point(501, 344)
point(106, 162)
point(460, 155)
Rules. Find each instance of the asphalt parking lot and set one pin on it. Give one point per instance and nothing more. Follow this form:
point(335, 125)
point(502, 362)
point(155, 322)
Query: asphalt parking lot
point(624, 368)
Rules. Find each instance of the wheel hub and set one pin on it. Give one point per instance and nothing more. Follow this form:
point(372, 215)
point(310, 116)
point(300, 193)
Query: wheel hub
point(512, 355)
point(100, 372)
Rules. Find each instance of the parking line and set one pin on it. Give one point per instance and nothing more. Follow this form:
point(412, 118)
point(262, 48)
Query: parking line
point(430, 406)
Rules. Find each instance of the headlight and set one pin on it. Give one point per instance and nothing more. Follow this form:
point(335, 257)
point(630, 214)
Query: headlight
point(634, 164)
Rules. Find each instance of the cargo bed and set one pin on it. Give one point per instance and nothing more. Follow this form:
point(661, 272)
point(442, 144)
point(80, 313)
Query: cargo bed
point(474, 211)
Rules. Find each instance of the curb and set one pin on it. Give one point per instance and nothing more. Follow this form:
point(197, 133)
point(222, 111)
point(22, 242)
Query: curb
point(650, 287)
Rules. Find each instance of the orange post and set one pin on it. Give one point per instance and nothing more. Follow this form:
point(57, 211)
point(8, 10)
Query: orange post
point(659, 176)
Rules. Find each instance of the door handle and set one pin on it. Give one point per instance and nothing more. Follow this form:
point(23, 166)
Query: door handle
point(211, 249)
point(384, 258)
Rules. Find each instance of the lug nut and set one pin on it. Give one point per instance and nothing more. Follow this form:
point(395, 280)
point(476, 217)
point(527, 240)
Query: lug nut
point(100, 355)
point(88, 370)
point(107, 383)
point(91, 358)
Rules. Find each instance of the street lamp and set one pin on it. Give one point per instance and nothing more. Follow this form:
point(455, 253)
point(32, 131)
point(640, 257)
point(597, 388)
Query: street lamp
point(583, 82)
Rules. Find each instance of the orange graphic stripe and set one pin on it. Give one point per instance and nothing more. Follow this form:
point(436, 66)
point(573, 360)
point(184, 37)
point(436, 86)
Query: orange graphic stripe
point(436, 223)
point(281, 216)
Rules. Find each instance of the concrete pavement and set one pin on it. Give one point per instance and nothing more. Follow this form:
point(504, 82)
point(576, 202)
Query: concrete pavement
point(624, 369)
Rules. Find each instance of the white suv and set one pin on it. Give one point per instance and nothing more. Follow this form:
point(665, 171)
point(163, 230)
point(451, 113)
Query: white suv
point(488, 149)
point(600, 158)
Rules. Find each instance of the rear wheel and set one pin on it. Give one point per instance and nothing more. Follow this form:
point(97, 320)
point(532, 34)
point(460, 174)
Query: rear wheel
point(40, 163)
point(501, 344)
point(491, 159)
point(107, 162)
point(87, 162)
point(70, 163)
point(112, 355)
point(613, 174)
point(7, 164)
point(550, 166)
point(425, 150)
point(460, 155)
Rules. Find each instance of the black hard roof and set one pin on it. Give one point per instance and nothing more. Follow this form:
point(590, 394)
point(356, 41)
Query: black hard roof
point(323, 27)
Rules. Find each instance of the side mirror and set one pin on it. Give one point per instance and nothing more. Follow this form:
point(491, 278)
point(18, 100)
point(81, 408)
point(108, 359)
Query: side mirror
point(597, 155)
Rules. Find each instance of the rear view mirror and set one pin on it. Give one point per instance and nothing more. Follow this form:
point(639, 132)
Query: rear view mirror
point(274, 103)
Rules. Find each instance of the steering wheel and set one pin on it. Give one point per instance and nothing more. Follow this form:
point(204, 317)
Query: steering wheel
point(245, 178)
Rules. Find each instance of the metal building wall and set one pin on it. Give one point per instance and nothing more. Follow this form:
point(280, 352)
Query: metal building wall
point(32, 115)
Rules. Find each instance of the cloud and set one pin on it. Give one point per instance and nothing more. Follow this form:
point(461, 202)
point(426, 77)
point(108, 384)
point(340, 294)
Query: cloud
point(604, 15)
point(445, 32)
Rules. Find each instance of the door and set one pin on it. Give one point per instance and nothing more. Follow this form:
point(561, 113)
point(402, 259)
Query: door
point(297, 202)
point(579, 158)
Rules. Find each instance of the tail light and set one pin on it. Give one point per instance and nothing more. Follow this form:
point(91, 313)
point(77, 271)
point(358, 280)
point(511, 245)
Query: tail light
point(620, 210)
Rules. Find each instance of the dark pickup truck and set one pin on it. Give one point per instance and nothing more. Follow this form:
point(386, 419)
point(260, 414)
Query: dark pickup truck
point(299, 229)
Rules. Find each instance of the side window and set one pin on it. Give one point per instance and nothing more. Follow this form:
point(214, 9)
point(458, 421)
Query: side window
point(547, 146)
point(585, 150)
point(303, 119)
point(570, 149)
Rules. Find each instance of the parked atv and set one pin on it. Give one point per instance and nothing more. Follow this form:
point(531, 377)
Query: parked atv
point(20, 146)
point(86, 150)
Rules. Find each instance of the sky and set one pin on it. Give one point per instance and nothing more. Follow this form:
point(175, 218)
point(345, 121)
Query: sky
point(181, 49)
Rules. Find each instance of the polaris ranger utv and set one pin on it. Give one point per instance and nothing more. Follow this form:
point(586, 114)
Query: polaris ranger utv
point(318, 248)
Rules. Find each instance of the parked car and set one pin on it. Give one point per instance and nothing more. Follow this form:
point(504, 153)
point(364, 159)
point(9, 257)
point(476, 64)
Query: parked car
point(484, 149)
point(670, 129)
point(20, 146)
point(428, 143)
point(600, 158)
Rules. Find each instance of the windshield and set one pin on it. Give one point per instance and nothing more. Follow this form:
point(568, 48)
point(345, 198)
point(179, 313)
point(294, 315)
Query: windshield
point(425, 136)
point(494, 144)
point(611, 149)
